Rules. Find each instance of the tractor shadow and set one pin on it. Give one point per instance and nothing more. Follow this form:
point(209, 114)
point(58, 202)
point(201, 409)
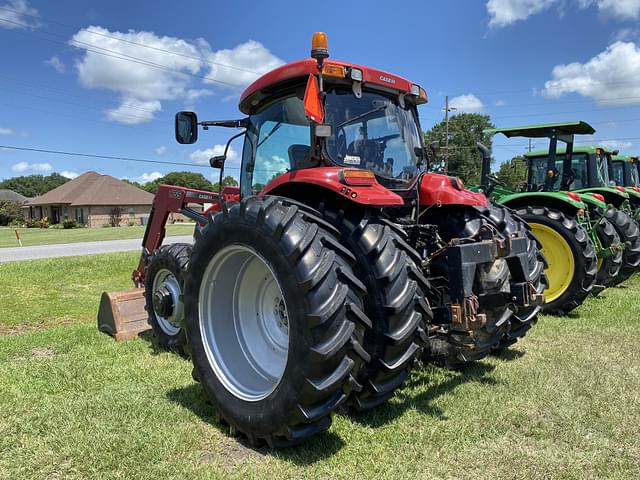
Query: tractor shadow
point(317, 448)
point(421, 391)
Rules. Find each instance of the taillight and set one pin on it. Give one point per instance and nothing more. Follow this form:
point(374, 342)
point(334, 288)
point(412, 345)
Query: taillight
point(353, 176)
point(574, 196)
point(597, 196)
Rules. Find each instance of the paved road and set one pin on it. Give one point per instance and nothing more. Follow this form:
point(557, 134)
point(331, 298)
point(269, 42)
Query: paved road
point(14, 254)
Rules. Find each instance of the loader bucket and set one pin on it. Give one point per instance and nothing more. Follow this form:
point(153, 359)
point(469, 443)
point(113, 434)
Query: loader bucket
point(122, 314)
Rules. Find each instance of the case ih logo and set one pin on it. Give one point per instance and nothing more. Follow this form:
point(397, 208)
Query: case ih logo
point(387, 79)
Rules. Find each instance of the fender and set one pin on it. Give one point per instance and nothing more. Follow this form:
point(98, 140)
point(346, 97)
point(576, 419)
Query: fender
point(613, 196)
point(541, 198)
point(591, 201)
point(329, 178)
point(438, 189)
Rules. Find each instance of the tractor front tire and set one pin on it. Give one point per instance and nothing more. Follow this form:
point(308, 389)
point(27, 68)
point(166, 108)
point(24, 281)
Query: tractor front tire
point(450, 346)
point(523, 319)
point(570, 255)
point(609, 266)
point(274, 318)
point(629, 234)
point(395, 303)
point(164, 286)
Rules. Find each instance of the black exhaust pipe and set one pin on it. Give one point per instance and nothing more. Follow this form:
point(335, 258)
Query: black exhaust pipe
point(486, 166)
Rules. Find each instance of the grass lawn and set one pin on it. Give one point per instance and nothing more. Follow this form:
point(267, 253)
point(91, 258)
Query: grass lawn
point(49, 236)
point(563, 403)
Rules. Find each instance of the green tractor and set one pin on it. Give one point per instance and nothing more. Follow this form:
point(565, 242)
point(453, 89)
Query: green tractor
point(582, 247)
point(589, 173)
point(624, 170)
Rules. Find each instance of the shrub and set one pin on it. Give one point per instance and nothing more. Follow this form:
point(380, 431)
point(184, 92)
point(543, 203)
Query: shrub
point(70, 223)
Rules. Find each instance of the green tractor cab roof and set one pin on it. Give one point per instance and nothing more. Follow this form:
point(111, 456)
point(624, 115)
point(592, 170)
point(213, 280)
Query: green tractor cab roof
point(543, 130)
point(562, 151)
point(625, 158)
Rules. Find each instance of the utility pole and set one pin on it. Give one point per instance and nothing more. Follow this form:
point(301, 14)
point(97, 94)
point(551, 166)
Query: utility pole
point(529, 145)
point(446, 131)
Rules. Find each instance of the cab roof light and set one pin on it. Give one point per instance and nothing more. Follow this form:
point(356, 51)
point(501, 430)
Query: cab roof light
point(620, 189)
point(598, 196)
point(355, 176)
point(635, 188)
point(574, 196)
point(336, 71)
point(355, 74)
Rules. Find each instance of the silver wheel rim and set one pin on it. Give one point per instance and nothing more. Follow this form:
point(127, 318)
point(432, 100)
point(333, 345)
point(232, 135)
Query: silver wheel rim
point(244, 322)
point(170, 325)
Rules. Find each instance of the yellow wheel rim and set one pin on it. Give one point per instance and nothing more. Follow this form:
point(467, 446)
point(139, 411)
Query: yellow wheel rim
point(559, 256)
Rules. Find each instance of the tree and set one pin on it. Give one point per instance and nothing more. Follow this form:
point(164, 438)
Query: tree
point(181, 179)
point(227, 181)
point(33, 185)
point(465, 130)
point(513, 172)
point(10, 211)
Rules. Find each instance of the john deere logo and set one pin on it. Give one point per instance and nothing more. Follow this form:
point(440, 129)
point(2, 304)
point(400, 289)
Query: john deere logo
point(387, 79)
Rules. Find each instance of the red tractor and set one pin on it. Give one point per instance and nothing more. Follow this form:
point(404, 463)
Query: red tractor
point(339, 262)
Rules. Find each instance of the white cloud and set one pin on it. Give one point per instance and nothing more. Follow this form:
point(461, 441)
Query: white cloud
point(500, 103)
point(132, 111)
point(7, 131)
point(611, 77)
point(201, 157)
point(69, 174)
point(616, 144)
point(623, 9)
point(160, 150)
point(466, 104)
point(195, 93)
point(147, 177)
point(56, 63)
point(243, 64)
point(141, 87)
point(18, 15)
point(506, 12)
point(22, 167)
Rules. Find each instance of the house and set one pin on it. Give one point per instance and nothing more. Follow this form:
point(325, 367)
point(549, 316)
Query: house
point(93, 200)
point(11, 196)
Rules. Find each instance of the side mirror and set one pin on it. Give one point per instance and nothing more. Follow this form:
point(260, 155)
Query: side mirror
point(186, 127)
point(217, 161)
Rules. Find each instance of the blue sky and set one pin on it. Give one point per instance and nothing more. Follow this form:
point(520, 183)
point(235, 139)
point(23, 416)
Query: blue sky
point(65, 86)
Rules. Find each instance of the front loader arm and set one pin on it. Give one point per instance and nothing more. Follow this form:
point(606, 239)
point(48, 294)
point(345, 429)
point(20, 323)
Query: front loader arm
point(168, 199)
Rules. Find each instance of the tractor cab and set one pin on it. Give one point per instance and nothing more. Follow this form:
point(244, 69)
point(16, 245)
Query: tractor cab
point(554, 169)
point(625, 170)
point(321, 122)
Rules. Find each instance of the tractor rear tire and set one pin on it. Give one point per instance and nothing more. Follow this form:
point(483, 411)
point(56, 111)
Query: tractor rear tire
point(523, 318)
point(395, 303)
point(629, 234)
point(274, 318)
point(164, 286)
point(570, 255)
point(608, 267)
point(456, 348)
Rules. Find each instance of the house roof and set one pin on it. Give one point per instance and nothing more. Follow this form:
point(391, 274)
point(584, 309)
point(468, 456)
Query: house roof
point(11, 196)
point(91, 188)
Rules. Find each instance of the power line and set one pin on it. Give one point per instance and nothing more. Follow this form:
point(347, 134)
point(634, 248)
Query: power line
point(113, 37)
point(103, 157)
point(114, 54)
